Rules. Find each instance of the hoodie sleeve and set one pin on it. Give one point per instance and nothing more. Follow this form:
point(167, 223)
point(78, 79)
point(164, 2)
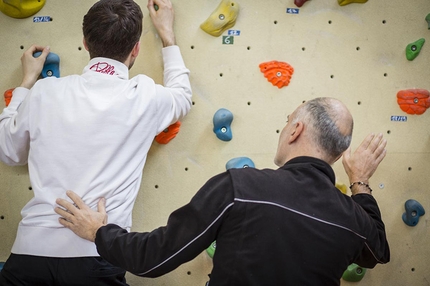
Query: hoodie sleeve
point(14, 129)
point(189, 231)
point(376, 248)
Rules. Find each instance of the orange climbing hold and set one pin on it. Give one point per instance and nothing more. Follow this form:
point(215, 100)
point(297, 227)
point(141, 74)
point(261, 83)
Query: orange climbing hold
point(168, 134)
point(8, 96)
point(414, 101)
point(278, 73)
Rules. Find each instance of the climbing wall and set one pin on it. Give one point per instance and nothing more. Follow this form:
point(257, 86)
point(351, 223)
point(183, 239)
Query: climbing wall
point(355, 53)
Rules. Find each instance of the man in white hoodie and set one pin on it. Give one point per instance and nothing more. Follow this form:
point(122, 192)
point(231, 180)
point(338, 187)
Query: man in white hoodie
point(89, 133)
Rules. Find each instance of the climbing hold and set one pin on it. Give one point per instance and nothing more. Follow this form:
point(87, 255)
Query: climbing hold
point(211, 249)
point(413, 212)
point(222, 18)
point(354, 273)
point(346, 2)
point(1, 265)
point(414, 49)
point(278, 73)
point(341, 187)
point(51, 66)
point(428, 20)
point(168, 134)
point(21, 8)
point(222, 124)
point(299, 3)
point(413, 101)
point(8, 96)
point(239, 163)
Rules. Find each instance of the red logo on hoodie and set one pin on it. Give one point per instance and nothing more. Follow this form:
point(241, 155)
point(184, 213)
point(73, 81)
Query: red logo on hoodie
point(103, 67)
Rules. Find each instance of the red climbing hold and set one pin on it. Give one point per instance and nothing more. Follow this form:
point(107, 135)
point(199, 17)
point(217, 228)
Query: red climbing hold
point(168, 134)
point(278, 73)
point(299, 3)
point(413, 101)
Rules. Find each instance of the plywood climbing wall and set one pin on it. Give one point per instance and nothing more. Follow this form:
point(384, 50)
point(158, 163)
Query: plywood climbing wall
point(355, 53)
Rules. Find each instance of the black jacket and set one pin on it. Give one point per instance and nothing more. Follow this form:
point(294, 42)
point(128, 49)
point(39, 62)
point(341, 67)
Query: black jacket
point(289, 226)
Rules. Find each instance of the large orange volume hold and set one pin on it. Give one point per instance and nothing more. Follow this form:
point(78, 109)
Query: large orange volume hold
point(413, 101)
point(278, 73)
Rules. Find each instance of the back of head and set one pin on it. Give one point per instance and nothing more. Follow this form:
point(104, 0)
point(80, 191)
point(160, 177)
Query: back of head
point(111, 28)
point(330, 125)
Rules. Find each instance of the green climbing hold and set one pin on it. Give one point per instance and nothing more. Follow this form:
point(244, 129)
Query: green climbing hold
point(428, 20)
point(211, 249)
point(354, 273)
point(413, 49)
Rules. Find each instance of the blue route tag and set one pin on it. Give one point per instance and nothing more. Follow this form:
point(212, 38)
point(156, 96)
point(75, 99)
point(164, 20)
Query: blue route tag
point(39, 19)
point(293, 11)
point(233, 32)
point(399, 118)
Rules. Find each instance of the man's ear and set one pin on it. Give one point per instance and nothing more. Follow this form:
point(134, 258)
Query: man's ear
point(296, 131)
point(85, 44)
point(136, 50)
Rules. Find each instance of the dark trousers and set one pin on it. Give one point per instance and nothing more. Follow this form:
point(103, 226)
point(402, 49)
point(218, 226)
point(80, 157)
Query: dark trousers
point(20, 270)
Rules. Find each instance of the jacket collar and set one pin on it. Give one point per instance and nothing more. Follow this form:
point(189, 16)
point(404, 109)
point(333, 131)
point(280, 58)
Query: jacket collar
point(108, 67)
point(315, 162)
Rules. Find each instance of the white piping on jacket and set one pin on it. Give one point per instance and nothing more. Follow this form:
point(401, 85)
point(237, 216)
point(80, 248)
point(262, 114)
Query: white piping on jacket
point(185, 246)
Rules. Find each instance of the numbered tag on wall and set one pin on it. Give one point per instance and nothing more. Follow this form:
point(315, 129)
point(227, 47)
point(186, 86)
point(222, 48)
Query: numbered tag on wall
point(227, 40)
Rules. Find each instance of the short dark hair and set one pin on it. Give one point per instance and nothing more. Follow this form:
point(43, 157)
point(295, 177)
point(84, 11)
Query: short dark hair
point(111, 28)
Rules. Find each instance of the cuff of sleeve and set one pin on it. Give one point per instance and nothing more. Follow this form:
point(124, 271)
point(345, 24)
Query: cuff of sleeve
point(172, 55)
point(19, 94)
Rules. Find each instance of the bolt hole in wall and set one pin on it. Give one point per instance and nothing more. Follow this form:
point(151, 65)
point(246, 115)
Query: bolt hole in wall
point(409, 168)
point(359, 103)
point(2, 217)
point(388, 131)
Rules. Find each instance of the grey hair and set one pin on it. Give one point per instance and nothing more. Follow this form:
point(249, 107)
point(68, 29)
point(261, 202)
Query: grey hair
point(323, 118)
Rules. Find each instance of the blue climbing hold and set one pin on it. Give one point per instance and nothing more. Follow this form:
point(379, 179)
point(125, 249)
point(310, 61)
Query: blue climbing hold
point(413, 212)
point(222, 124)
point(51, 66)
point(239, 162)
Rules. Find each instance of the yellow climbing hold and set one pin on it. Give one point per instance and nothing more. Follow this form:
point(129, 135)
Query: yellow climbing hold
point(346, 2)
point(342, 187)
point(223, 18)
point(21, 8)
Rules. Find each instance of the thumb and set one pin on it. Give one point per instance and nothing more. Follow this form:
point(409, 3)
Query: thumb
point(45, 52)
point(101, 206)
point(346, 154)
